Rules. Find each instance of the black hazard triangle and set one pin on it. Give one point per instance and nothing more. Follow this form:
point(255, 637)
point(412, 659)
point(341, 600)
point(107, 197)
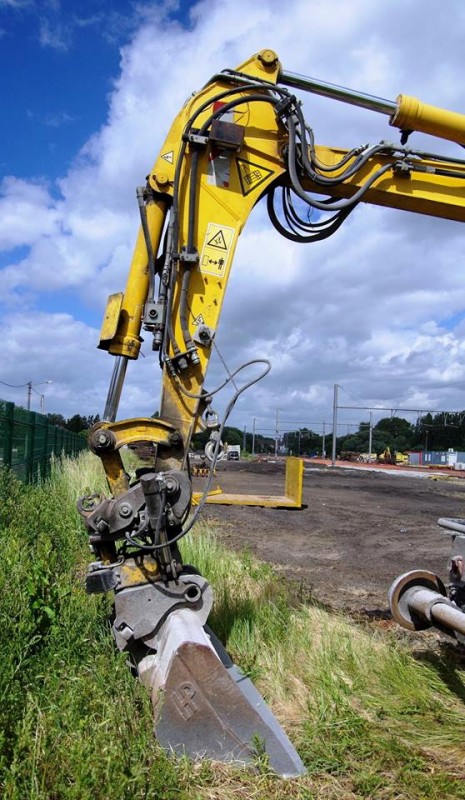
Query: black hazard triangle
point(251, 175)
point(218, 241)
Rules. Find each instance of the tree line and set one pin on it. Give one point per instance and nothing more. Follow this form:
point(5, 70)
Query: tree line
point(76, 423)
point(430, 432)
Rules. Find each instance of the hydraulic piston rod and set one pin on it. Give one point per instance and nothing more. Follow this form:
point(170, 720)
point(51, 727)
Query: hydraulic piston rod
point(115, 389)
point(336, 92)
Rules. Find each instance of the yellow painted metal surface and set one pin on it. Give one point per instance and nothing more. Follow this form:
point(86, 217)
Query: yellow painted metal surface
point(292, 498)
point(127, 432)
point(421, 192)
point(127, 340)
point(110, 320)
point(133, 572)
point(412, 114)
point(227, 189)
point(146, 429)
point(294, 479)
point(115, 473)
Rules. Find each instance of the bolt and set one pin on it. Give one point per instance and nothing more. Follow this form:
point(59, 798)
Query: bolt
point(153, 313)
point(101, 440)
point(125, 510)
point(171, 484)
point(268, 58)
point(162, 179)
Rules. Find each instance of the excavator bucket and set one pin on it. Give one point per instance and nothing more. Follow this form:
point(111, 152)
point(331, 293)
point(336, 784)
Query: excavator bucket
point(205, 707)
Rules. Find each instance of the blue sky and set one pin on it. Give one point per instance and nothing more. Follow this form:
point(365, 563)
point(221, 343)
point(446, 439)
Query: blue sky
point(89, 90)
point(58, 62)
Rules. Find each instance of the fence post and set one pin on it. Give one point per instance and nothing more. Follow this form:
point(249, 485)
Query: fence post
point(30, 446)
point(8, 420)
point(46, 459)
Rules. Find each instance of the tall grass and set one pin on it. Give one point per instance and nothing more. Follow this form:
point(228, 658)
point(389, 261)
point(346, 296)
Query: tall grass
point(369, 720)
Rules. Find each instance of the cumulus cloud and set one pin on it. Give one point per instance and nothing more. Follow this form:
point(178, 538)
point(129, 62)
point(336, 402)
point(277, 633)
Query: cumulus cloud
point(377, 308)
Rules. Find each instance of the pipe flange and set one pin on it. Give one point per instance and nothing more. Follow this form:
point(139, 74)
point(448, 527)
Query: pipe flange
point(399, 597)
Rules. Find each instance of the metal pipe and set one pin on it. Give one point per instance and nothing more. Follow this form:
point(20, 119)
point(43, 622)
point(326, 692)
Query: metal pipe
point(115, 389)
point(336, 92)
point(436, 609)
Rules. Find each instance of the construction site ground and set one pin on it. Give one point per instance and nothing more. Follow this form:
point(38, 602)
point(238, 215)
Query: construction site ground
point(360, 527)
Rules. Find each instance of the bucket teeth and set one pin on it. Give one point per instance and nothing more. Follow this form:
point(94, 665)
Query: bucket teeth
point(205, 709)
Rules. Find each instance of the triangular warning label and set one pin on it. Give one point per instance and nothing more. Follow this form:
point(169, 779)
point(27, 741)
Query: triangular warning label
point(168, 156)
point(251, 175)
point(218, 241)
point(198, 320)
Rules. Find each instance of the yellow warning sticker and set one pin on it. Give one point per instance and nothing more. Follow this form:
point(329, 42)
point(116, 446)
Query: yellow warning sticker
point(251, 175)
point(217, 246)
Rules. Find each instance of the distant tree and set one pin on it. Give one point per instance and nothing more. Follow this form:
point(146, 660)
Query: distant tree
point(303, 442)
point(441, 431)
point(230, 435)
point(399, 433)
point(57, 419)
point(262, 444)
point(92, 420)
point(77, 423)
point(233, 436)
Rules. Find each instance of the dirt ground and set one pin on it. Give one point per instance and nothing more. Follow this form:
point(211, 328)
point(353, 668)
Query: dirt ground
point(358, 531)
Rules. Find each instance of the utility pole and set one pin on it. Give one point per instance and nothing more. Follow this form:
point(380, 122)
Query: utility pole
point(277, 433)
point(298, 444)
point(30, 387)
point(370, 436)
point(253, 436)
point(244, 438)
point(333, 449)
point(323, 448)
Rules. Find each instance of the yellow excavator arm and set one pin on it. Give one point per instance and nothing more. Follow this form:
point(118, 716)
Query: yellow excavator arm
point(239, 138)
point(242, 137)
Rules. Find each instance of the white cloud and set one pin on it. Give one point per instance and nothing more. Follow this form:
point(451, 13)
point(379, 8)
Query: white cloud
point(27, 213)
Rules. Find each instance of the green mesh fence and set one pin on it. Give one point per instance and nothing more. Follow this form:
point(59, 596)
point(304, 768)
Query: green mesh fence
point(28, 440)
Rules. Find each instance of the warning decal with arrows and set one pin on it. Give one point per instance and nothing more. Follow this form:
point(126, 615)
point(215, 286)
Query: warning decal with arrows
point(218, 242)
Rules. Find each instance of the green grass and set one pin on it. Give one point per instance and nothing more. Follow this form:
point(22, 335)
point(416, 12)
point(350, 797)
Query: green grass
point(369, 720)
